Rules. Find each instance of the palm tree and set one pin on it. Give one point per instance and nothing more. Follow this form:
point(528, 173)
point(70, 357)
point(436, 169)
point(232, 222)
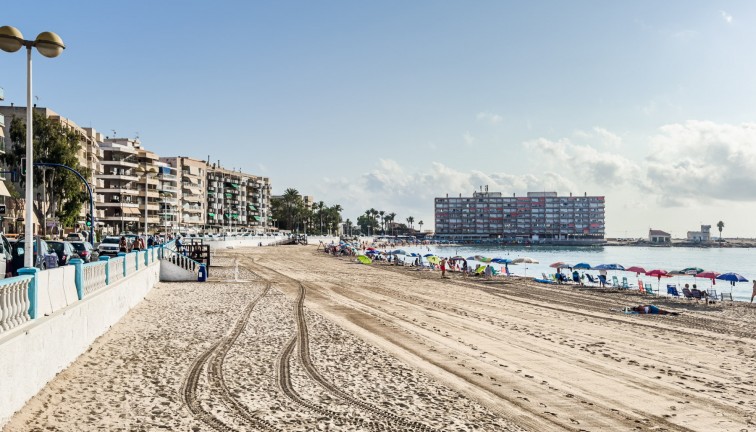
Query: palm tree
point(391, 217)
point(291, 199)
point(410, 219)
point(720, 225)
point(421, 225)
point(373, 214)
point(383, 222)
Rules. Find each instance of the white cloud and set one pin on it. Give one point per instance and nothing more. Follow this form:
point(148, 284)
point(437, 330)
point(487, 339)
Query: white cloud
point(468, 139)
point(700, 161)
point(725, 16)
point(600, 136)
point(592, 167)
point(395, 188)
point(489, 117)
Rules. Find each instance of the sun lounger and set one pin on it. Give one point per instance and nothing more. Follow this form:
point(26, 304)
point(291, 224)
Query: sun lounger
point(726, 296)
point(591, 279)
point(615, 282)
point(625, 284)
point(687, 294)
point(649, 289)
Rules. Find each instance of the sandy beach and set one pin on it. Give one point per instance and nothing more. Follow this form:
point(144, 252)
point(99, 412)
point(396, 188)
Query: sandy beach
point(290, 339)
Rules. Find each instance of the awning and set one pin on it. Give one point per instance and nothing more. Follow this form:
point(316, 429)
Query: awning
point(3, 188)
point(130, 211)
point(212, 215)
point(257, 218)
point(251, 207)
point(235, 185)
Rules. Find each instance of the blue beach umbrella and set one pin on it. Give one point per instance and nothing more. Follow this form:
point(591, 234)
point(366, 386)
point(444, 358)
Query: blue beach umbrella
point(428, 255)
point(501, 261)
point(609, 267)
point(582, 266)
point(399, 252)
point(732, 277)
point(471, 258)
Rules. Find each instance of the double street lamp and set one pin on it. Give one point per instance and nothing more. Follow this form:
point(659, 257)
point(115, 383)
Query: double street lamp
point(49, 45)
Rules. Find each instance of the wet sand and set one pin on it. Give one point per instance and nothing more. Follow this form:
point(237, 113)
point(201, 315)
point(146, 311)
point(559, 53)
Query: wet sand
point(287, 338)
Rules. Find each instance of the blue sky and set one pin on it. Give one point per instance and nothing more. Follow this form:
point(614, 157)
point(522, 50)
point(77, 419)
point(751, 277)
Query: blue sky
point(388, 104)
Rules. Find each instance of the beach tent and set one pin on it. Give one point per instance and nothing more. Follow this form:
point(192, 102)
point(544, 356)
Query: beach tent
point(364, 259)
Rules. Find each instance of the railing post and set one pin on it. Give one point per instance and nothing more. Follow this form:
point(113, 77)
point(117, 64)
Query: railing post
point(33, 291)
point(107, 269)
point(146, 257)
point(79, 278)
point(136, 260)
point(123, 254)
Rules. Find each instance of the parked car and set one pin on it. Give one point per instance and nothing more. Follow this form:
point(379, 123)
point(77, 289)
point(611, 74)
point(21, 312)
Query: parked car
point(63, 249)
point(85, 251)
point(17, 254)
point(109, 245)
point(71, 237)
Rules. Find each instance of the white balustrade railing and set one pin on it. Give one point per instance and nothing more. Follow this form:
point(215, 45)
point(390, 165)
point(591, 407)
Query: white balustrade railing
point(14, 302)
point(116, 268)
point(94, 276)
point(131, 263)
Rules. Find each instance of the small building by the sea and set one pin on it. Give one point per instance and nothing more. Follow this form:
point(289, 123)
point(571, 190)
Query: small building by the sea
point(700, 236)
point(538, 217)
point(659, 236)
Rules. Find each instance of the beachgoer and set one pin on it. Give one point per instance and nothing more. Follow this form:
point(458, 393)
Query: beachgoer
point(464, 273)
point(652, 309)
point(443, 268)
point(122, 245)
point(488, 272)
point(576, 277)
point(753, 294)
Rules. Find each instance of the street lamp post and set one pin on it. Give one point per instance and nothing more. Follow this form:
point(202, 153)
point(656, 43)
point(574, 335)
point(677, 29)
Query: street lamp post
point(49, 45)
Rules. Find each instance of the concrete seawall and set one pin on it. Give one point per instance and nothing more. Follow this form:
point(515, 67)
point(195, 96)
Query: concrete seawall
point(33, 353)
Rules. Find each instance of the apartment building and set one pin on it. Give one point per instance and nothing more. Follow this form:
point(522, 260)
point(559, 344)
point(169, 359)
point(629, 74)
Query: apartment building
point(120, 185)
point(168, 191)
point(88, 154)
point(237, 200)
point(192, 191)
point(536, 217)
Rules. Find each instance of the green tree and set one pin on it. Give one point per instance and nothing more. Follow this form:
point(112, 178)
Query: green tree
point(53, 143)
point(720, 225)
point(421, 225)
point(410, 219)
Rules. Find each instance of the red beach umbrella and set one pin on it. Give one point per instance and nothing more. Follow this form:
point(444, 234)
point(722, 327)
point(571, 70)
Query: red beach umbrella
point(659, 274)
point(709, 275)
point(636, 269)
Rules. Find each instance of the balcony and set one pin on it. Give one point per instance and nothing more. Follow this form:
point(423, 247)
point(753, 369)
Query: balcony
point(119, 162)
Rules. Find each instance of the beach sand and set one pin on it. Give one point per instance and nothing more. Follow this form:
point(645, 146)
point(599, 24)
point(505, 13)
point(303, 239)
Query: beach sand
point(290, 339)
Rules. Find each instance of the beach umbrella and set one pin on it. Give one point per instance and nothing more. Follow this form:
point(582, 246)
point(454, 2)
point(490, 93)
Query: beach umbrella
point(371, 249)
point(471, 258)
point(428, 255)
point(372, 252)
point(399, 252)
point(559, 265)
point(501, 261)
point(732, 277)
point(434, 259)
point(525, 260)
point(636, 269)
point(692, 270)
point(364, 259)
point(458, 258)
point(657, 273)
point(582, 266)
point(609, 267)
point(708, 274)
point(481, 258)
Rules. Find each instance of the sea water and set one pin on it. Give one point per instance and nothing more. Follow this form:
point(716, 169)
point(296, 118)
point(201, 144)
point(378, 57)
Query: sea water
point(722, 260)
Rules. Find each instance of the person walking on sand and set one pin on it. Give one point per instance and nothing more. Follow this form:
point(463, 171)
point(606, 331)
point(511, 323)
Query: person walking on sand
point(443, 268)
point(753, 294)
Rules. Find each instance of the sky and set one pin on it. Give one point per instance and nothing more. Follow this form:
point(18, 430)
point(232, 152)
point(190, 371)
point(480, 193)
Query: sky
point(389, 104)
